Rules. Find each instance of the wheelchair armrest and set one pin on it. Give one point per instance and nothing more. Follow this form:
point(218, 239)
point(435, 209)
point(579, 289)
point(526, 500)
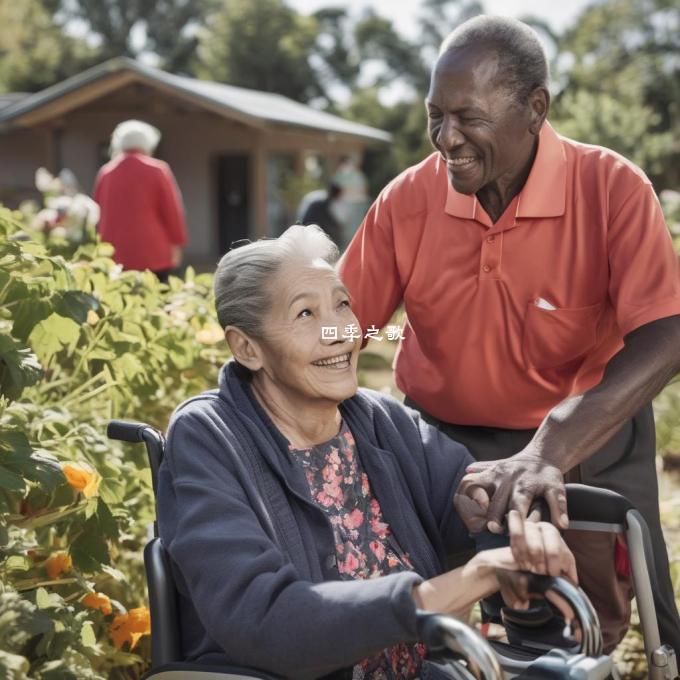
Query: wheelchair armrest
point(591, 504)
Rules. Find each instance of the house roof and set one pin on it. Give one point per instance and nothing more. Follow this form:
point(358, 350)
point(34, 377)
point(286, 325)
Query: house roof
point(251, 106)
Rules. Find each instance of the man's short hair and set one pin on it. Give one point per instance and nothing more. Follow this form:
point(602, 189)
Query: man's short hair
point(523, 64)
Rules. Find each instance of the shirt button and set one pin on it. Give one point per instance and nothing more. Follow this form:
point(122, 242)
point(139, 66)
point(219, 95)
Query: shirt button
point(331, 562)
point(490, 239)
point(486, 269)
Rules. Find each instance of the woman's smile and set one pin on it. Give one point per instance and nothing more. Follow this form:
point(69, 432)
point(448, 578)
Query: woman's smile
point(338, 362)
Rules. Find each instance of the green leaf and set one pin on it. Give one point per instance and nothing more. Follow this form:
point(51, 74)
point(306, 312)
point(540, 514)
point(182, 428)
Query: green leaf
point(89, 551)
point(47, 600)
point(128, 365)
point(107, 523)
point(102, 354)
point(17, 563)
point(11, 481)
point(75, 305)
point(53, 334)
point(28, 314)
point(44, 471)
point(15, 442)
point(115, 574)
point(87, 636)
point(19, 368)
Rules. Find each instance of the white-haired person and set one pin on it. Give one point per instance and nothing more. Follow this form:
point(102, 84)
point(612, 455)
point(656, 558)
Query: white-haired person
point(140, 202)
point(306, 519)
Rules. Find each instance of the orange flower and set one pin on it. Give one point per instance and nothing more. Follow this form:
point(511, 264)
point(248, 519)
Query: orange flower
point(82, 478)
point(98, 601)
point(57, 564)
point(130, 627)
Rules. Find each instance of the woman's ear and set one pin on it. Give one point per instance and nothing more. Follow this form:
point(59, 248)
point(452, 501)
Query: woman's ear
point(244, 349)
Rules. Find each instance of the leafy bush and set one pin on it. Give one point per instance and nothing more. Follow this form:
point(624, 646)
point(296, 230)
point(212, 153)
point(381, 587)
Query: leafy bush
point(82, 342)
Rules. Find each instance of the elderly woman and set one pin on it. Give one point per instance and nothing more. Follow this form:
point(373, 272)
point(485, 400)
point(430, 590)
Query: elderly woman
point(140, 202)
point(306, 519)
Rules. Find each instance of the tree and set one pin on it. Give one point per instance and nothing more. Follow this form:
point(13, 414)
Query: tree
point(261, 44)
point(35, 52)
point(165, 28)
point(338, 58)
point(621, 82)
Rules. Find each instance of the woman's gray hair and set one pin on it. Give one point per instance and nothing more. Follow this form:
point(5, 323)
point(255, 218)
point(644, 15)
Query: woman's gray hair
point(134, 135)
point(244, 275)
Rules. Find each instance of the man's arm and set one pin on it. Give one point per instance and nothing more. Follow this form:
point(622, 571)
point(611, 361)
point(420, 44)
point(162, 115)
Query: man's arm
point(580, 425)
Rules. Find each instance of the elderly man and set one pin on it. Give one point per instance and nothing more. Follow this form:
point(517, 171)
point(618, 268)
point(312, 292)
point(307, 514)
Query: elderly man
point(543, 300)
point(141, 207)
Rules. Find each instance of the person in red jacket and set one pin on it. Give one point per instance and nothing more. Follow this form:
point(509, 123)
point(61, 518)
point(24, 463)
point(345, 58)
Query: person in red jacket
point(140, 202)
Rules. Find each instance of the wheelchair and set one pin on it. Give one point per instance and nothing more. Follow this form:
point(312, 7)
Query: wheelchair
point(448, 640)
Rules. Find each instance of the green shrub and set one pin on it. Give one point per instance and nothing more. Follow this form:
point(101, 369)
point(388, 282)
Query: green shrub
point(82, 342)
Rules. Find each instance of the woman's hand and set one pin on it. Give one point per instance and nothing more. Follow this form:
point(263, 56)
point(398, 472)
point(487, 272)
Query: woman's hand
point(534, 546)
point(539, 548)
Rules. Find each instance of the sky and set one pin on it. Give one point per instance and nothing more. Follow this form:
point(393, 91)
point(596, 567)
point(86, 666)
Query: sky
point(403, 13)
point(558, 15)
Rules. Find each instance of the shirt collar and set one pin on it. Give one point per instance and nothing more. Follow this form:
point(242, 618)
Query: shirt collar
point(543, 194)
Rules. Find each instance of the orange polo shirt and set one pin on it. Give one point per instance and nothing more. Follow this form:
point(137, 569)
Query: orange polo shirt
point(506, 320)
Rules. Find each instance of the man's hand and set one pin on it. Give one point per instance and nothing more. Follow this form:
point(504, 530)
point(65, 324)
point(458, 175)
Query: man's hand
point(492, 488)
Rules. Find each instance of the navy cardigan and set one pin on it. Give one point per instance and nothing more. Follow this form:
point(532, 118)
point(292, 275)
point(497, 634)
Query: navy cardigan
point(253, 556)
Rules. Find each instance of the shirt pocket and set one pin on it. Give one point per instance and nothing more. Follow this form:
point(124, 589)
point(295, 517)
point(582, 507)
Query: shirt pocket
point(553, 337)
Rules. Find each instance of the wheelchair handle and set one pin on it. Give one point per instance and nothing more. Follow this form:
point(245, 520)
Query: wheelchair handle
point(591, 644)
point(440, 632)
point(125, 431)
point(141, 432)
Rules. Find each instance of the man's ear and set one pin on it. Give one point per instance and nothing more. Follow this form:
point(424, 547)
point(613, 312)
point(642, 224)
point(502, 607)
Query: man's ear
point(244, 349)
point(539, 103)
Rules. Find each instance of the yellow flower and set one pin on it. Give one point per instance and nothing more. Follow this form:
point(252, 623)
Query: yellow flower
point(210, 334)
point(130, 627)
point(82, 478)
point(98, 601)
point(57, 564)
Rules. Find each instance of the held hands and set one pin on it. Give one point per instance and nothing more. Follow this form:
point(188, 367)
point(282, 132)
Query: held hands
point(490, 489)
point(535, 547)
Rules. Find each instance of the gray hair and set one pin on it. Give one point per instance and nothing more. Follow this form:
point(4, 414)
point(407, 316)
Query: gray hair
point(134, 134)
point(523, 65)
point(243, 276)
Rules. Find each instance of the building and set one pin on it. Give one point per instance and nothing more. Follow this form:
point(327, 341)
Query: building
point(235, 152)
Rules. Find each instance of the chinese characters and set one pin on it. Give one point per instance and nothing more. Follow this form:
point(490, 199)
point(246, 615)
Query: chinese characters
point(392, 332)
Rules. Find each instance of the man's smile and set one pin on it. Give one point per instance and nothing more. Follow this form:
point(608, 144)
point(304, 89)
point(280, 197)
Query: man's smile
point(461, 162)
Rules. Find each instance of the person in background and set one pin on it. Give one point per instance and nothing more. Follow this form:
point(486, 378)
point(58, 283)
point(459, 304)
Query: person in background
point(317, 208)
point(354, 201)
point(543, 301)
point(141, 206)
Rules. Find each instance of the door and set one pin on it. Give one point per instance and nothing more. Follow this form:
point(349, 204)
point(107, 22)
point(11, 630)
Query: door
point(233, 192)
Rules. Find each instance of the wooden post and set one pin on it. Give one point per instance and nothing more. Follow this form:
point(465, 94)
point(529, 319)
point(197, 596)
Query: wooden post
point(260, 226)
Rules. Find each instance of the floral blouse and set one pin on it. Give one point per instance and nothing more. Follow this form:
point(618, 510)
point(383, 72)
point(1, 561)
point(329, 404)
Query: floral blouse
point(364, 545)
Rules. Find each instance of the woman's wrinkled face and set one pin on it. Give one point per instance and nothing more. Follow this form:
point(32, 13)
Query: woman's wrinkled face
point(304, 349)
